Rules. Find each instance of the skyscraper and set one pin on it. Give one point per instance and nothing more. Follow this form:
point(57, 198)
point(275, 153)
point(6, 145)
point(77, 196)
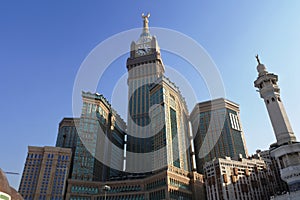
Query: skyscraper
point(100, 144)
point(170, 123)
point(45, 173)
point(286, 151)
point(217, 131)
point(144, 67)
point(157, 141)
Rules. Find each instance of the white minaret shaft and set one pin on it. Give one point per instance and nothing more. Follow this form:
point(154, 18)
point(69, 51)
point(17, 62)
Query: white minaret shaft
point(269, 90)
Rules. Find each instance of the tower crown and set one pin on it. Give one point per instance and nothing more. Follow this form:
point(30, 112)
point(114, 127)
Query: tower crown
point(261, 69)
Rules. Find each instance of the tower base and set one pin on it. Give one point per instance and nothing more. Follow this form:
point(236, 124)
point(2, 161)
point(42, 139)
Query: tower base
point(288, 159)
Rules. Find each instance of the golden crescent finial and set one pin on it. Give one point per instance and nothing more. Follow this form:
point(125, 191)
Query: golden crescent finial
point(145, 16)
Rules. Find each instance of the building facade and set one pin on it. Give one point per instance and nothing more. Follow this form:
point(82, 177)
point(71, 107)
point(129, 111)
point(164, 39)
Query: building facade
point(144, 67)
point(280, 186)
point(156, 146)
point(67, 133)
point(99, 153)
point(228, 179)
point(45, 173)
point(286, 151)
point(67, 137)
point(170, 184)
point(170, 123)
point(217, 131)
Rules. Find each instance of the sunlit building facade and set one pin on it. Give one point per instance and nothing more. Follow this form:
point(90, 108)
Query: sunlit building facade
point(170, 124)
point(157, 158)
point(286, 150)
point(144, 67)
point(230, 179)
point(45, 173)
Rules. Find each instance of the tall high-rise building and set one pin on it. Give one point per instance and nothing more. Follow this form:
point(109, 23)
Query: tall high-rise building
point(100, 144)
point(287, 150)
point(45, 173)
point(144, 66)
point(170, 124)
point(157, 141)
point(217, 131)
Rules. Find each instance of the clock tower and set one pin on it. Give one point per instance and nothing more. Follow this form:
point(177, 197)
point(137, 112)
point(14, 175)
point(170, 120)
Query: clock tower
point(144, 67)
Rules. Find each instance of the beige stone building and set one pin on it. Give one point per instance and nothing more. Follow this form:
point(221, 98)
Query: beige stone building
point(286, 150)
point(228, 179)
point(172, 183)
point(45, 173)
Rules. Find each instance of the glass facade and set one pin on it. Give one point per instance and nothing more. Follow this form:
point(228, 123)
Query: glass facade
point(67, 133)
point(217, 133)
point(169, 122)
point(155, 146)
point(95, 159)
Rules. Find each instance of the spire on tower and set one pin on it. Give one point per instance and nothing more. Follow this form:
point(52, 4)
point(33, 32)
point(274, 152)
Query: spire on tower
point(145, 24)
point(257, 59)
point(261, 69)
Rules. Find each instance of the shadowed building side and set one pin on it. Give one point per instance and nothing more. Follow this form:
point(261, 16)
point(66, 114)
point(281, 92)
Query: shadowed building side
point(217, 131)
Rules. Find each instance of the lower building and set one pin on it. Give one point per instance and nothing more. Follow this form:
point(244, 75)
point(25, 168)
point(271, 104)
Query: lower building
point(217, 131)
point(171, 183)
point(45, 173)
point(228, 179)
point(280, 187)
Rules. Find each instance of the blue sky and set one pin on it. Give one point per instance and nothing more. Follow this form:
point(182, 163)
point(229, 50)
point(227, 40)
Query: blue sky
point(42, 45)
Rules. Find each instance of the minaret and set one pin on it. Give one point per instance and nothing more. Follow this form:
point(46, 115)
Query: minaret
point(269, 90)
point(287, 150)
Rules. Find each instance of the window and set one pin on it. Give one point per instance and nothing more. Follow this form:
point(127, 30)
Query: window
point(279, 99)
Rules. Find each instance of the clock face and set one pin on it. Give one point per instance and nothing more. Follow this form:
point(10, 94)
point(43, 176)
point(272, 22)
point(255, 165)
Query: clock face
point(143, 49)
